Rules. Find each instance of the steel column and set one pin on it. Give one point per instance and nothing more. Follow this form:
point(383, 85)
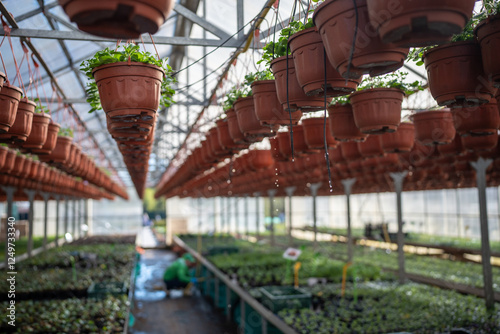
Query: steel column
point(348, 183)
point(480, 166)
point(257, 214)
point(271, 193)
point(45, 218)
point(66, 218)
point(236, 216)
point(73, 225)
point(246, 213)
point(289, 192)
point(314, 191)
point(57, 197)
point(398, 185)
point(31, 198)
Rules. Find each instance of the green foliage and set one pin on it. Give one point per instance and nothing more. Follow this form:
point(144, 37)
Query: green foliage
point(392, 80)
point(244, 90)
point(340, 100)
point(492, 7)
point(39, 108)
point(130, 52)
point(66, 132)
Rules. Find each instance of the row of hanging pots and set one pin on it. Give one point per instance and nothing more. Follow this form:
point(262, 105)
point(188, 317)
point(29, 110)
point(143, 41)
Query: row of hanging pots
point(21, 172)
point(118, 19)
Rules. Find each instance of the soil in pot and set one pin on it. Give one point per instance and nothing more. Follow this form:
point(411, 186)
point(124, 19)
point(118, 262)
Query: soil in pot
point(488, 35)
point(129, 90)
point(342, 125)
point(336, 22)
point(477, 121)
point(402, 140)
point(419, 23)
point(456, 75)
point(434, 127)
point(268, 108)
point(311, 66)
point(377, 110)
point(21, 128)
point(118, 19)
point(39, 131)
point(9, 102)
point(296, 98)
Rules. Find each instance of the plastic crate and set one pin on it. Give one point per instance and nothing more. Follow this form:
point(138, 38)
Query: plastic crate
point(217, 250)
point(100, 290)
point(277, 298)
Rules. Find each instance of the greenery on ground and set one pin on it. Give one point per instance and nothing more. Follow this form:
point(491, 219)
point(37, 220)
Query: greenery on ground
point(22, 245)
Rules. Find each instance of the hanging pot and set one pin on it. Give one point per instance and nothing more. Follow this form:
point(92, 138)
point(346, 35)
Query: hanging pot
point(311, 66)
point(275, 149)
point(259, 159)
point(314, 131)
point(350, 151)
point(216, 147)
point(455, 148)
point(488, 34)
point(9, 102)
point(51, 141)
point(377, 110)
point(342, 125)
point(3, 155)
point(39, 132)
point(477, 121)
point(224, 137)
point(480, 143)
point(61, 151)
point(371, 147)
point(21, 128)
point(129, 90)
point(434, 127)
point(456, 75)
point(297, 99)
point(419, 23)
point(118, 19)
point(268, 108)
point(336, 22)
point(248, 122)
point(234, 128)
point(401, 140)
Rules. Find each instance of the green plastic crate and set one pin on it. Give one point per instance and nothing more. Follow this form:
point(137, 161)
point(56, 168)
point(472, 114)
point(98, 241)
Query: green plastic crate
point(277, 298)
point(216, 250)
point(100, 290)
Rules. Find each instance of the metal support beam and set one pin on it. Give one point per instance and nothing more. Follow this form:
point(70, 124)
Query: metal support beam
point(348, 183)
point(480, 166)
point(31, 198)
point(246, 213)
point(271, 193)
point(228, 212)
point(10, 202)
point(57, 197)
point(289, 192)
point(45, 218)
point(257, 214)
point(314, 192)
point(398, 185)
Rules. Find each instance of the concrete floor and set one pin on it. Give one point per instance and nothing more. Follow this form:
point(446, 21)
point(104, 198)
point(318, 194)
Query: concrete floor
point(155, 314)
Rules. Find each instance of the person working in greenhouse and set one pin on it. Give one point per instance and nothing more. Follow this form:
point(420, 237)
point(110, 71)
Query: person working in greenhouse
point(177, 275)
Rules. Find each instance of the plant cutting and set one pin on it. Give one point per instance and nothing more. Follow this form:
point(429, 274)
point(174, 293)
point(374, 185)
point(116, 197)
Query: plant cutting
point(268, 108)
point(290, 93)
point(129, 83)
point(419, 23)
point(377, 103)
point(119, 19)
point(350, 43)
point(311, 65)
point(488, 34)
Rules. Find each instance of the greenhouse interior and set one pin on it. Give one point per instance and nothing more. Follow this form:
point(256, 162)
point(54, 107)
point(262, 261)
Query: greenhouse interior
point(237, 200)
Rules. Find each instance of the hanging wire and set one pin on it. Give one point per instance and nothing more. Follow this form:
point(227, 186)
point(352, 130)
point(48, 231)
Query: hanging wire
point(287, 85)
point(327, 154)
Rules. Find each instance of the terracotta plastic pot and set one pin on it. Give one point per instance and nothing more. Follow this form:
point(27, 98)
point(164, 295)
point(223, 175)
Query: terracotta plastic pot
point(350, 151)
point(480, 143)
point(268, 108)
point(129, 90)
point(371, 147)
point(477, 121)
point(314, 133)
point(61, 151)
point(419, 23)
point(402, 140)
point(9, 102)
point(3, 77)
point(118, 19)
point(311, 66)
point(10, 158)
point(224, 137)
point(297, 99)
point(21, 128)
point(39, 132)
point(234, 128)
point(213, 141)
point(488, 35)
point(336, 22)
point(275, 150)
point(456, 75)
point(454, 148)
point(259, 159)
point(434, 127)
point(51, 141)
point(342, 125)
point(377, 110)
point(248, 122)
